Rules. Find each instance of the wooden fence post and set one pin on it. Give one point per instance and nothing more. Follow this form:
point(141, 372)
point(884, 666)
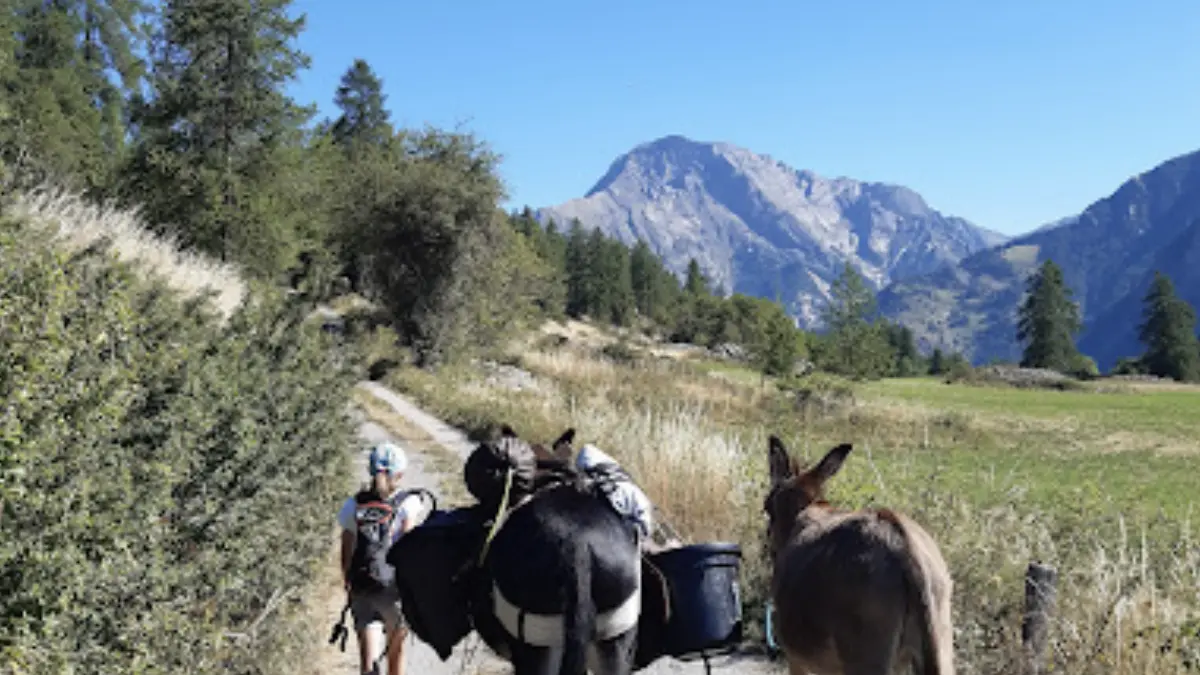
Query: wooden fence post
point(1040, 594)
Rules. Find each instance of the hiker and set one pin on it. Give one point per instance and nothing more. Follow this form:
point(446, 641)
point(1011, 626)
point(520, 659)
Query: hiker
point(626, 497)
point(371, 521)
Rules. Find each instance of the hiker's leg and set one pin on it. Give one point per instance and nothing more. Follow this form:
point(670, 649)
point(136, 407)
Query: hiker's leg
point(397, 631)
point(364, 615)
point(367, 649)
point(395, 647)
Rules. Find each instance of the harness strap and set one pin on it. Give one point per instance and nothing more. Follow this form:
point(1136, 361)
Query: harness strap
point(547, 630)
point(487, 543)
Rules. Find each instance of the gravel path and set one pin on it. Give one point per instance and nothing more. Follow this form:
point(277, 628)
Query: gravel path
point(471, 657)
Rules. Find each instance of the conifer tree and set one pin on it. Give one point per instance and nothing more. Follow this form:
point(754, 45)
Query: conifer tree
point(1168, 330)
point(904, 346)
point(937, 362)
point(655, 289)
point(1048, 322)
point(72, 63)
point(696, 282)
point(208, 157)
point(856, 344)
point(580, 281)
point(365, 118)
point(553, 248)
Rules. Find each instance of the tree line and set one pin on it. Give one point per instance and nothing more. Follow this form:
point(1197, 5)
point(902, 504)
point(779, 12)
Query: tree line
point(600, 278)
point(1049, 321)
point(201, 137)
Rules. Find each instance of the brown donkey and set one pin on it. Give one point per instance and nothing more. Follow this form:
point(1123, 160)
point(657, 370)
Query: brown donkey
point(855, 592)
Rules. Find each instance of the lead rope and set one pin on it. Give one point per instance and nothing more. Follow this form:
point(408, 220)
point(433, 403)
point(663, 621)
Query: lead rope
point(508, 481)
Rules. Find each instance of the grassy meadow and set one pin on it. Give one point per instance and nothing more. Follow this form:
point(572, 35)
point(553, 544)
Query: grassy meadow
point(1094, 481)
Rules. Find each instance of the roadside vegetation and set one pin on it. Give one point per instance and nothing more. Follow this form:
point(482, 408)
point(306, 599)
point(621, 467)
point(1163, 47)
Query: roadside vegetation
point(168, 463)
point(1097, 481)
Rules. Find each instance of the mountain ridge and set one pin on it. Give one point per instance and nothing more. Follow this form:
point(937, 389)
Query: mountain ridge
point(761, 227)
point(1108, 253)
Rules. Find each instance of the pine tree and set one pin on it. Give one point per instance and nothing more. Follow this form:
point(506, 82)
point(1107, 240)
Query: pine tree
point(72, 62)
point(904, 346)
point(767, 333)
point(937, 362)
point(1168, 330)
point(856, 344)
point(1048, 322)
point(696, 283)
point(851, 301)
point(580, 282)
point(654, 287)
point(553, 248)
point(208, 155)
point(365, 118)
point(617, 299)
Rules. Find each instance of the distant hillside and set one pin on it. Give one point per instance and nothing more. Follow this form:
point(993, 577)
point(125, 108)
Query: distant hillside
point(1108, 254)
point(760, 227)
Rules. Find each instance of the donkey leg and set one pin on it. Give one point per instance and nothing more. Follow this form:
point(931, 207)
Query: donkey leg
point(614, 656)
point(530, 660)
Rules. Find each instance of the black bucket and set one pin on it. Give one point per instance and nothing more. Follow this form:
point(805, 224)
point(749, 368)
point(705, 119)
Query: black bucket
point(706, 604)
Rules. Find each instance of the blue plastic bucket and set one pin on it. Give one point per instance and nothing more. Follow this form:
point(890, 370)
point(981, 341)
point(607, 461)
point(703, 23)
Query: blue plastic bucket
point(706, 604)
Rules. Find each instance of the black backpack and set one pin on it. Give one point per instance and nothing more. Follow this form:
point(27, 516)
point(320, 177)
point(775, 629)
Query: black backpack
point(485, 469)
point(374, 518)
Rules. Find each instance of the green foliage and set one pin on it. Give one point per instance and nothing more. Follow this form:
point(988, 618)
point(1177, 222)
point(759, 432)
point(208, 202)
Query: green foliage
point(1048, 322)
point(620, 352)
point(213, 134)
point(767, 333)
point(437, 253)
point(599, 276)
point(908, 361)
point(364, 118)
point(655, 288)
point(820, 393)
point(696, 283)
point(1168, 330)
point(160, 476)
point(65, 70)
point(857, 344)
point(1129, 366)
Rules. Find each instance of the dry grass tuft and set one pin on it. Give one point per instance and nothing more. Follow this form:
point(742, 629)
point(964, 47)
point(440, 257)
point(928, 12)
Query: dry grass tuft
point(79, 224)
point(981, 475)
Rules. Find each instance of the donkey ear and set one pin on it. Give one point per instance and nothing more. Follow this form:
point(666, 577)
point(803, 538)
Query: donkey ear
point(777, 458)
point(831, 463)
point(567, 438)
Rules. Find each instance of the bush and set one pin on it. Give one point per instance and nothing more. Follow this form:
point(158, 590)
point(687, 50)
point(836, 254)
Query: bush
point(820, 392)
point(1016, 376)
point(162, 475)
point(620, 353)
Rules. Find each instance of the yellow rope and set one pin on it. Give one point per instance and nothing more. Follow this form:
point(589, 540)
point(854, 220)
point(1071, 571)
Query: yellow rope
point(508, 480)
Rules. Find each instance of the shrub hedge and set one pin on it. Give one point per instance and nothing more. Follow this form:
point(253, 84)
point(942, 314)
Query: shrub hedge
point(163, 475)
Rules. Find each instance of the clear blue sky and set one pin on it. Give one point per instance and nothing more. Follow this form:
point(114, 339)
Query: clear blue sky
point(1009, 114)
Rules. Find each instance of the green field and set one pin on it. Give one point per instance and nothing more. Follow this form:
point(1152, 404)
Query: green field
point(1135, 451)
point(1099, 482)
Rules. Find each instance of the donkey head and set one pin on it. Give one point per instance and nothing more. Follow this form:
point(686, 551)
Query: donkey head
point(560, 449)
point(793, 489)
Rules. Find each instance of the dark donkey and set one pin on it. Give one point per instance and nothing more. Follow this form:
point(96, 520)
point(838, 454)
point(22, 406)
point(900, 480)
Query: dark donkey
point(565, 577)
point(855, 592)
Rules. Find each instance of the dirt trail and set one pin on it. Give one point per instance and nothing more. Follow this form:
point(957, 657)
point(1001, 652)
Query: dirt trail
point(471, 657)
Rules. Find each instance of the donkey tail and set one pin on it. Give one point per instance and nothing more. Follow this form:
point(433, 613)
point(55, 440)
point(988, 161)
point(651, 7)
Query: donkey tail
point(579, 611)
point(930, 587)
